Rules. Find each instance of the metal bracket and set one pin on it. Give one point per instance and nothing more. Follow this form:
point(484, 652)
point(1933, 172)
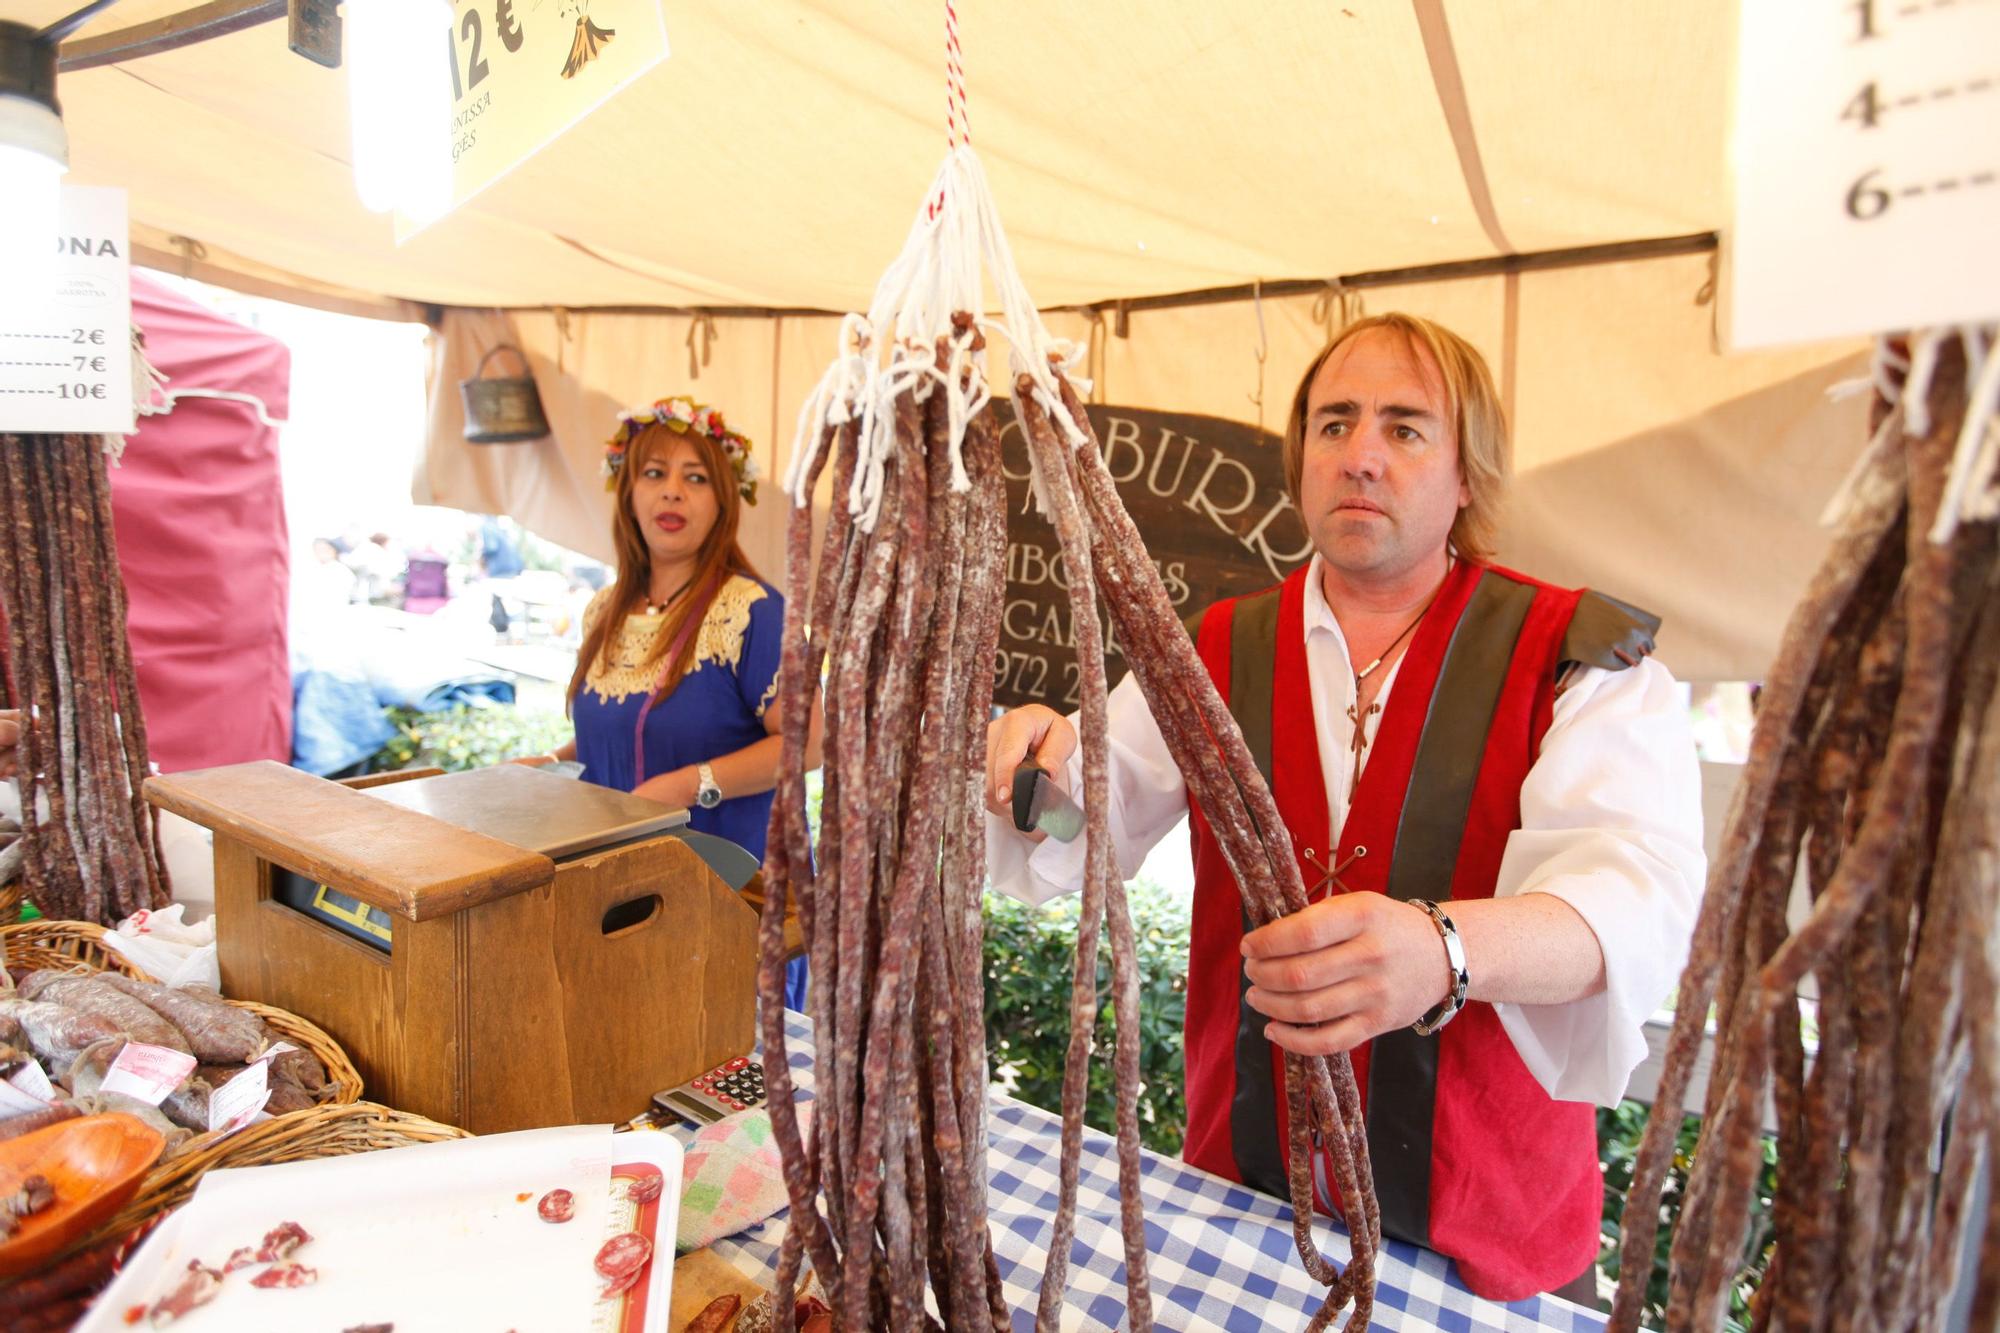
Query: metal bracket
point(315, 31)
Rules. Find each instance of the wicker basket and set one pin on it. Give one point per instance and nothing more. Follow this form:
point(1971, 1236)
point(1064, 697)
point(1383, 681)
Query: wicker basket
point(324, 1131)
point(11, 898)
point(65, 944)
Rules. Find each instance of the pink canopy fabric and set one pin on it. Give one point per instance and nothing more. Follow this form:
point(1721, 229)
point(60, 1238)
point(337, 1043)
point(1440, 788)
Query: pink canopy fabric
point(199, 512)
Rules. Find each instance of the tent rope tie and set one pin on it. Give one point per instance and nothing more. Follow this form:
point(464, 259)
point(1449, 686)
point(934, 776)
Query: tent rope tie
point(1336, 306)
point(700, 342)
point(1263, 351)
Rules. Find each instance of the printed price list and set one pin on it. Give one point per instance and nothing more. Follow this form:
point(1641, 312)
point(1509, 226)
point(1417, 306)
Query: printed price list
point(66, 354)
point(1867, 167)
point(68, 364)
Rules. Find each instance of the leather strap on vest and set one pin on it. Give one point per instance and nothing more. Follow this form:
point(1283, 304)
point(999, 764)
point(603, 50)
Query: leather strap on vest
point(1253, 1112)
point(1402, 1067)
point(1607, 633)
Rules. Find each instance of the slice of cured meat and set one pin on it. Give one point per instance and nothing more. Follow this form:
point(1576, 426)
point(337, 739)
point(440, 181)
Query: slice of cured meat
point(196, 1288)
point(618, 1285)
point(281, 1241)
point(283, 1275)
point(623, 1254)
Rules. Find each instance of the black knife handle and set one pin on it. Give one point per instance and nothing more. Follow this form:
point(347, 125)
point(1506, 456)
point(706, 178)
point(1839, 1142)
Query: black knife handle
point(1025, 778)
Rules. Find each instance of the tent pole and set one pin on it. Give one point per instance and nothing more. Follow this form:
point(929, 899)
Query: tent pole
point(218, 18)
point(1578, 256)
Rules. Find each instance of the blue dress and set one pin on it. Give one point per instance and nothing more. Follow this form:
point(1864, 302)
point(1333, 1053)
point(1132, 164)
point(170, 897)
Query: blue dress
point(717, 709)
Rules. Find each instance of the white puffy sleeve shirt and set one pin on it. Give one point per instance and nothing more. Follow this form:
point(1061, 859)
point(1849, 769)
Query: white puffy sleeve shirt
point(1610, 823)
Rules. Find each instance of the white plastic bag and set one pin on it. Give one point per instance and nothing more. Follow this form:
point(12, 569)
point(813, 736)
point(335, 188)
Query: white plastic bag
point(167, 948)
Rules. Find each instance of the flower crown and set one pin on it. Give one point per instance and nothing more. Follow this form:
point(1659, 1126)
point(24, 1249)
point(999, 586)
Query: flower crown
point(683, 415)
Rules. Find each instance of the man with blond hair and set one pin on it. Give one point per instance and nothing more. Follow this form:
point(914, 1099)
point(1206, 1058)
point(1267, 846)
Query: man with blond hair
point(1492, 792)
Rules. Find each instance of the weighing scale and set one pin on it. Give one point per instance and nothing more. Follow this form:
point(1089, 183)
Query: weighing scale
point(498, 949)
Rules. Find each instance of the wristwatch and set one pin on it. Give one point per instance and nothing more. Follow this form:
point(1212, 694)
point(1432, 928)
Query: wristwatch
point(708, 795)
point(1454, 954)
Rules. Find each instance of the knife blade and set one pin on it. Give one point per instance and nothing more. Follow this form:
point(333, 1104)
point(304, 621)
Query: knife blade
point(1041, 807)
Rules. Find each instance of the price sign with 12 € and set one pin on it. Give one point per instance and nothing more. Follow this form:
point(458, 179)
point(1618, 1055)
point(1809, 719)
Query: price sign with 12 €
point(66, 344)
point(524, 71)
point(1867, 157)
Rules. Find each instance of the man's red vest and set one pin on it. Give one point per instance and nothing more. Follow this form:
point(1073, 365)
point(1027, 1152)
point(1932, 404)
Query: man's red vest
point(1472, 1158)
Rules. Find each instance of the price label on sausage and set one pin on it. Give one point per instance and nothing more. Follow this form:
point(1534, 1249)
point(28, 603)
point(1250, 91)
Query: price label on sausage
point(236, 1103)
point(30, 1079)
point(150, 1073)
point(1867, 167)
point(25, 1091)
point(524, 71)
point(66, 343)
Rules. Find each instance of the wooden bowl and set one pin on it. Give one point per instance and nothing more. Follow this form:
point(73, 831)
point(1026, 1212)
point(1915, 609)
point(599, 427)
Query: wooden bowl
point(95, 1162)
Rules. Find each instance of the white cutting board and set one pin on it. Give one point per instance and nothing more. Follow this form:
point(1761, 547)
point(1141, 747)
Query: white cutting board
point(432, 1237)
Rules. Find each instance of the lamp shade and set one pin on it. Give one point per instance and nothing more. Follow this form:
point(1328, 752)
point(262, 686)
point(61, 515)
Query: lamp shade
point(30, 118)
point(27, 127)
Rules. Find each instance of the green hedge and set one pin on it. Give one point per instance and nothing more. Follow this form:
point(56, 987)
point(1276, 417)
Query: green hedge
point(465, 736)
point(1030, 959)
point(1619, 1130)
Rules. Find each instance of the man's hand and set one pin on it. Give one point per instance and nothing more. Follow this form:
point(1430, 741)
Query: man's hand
point(1355, 964)
point(10, 742)
point(1031, 731)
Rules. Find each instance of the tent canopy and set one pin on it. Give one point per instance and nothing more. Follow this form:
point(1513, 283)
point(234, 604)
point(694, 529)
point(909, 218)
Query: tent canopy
point(769, 168)
point(776, 156)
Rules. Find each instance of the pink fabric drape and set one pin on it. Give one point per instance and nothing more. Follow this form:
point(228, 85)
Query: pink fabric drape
point(198, 506)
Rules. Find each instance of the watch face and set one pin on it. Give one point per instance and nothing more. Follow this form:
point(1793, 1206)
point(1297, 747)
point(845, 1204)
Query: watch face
point(710, 797)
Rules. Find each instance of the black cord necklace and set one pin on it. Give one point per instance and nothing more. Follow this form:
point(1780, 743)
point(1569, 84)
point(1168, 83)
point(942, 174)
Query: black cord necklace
point(654, 608)
point(1354, 712)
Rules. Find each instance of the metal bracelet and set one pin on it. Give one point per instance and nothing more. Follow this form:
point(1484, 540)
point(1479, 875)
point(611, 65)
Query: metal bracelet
point(1454, 954)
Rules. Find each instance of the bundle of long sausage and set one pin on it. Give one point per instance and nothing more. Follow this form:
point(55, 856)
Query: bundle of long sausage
point(901, 610)
point(1871, 781)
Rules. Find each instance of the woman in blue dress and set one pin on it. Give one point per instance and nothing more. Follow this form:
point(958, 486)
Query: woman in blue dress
point(675, 692)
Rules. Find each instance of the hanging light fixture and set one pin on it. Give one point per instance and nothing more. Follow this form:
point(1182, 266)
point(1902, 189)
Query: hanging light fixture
point(30, 120)
point(34, 151)
point(34, 154)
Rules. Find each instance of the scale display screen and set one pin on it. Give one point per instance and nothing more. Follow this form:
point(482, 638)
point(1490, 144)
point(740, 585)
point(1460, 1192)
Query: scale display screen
point(346, 914)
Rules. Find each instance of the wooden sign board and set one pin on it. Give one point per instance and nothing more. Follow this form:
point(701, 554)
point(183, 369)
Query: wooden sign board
point(1208, 496)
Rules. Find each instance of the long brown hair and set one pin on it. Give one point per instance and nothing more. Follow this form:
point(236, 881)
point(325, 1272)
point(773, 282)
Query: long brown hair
point(1476, 416)
point(719, 557)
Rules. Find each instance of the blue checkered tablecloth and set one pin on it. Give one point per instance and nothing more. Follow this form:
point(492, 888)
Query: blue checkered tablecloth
point(1220, 1256)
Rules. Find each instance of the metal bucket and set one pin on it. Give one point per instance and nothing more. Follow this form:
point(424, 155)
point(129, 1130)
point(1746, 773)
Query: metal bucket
point(505, 409)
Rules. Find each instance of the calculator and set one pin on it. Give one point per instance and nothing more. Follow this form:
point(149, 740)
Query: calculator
point(732, 1086)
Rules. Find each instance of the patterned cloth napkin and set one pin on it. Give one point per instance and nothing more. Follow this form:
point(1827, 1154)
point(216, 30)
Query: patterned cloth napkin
point(731, 1178)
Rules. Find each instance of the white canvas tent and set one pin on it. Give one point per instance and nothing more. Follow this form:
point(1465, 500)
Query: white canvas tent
point(766, 171)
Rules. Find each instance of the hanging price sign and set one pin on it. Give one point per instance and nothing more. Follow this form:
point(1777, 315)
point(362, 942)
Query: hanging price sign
point(1867, 167)
point(66, 349)
point(524, 71)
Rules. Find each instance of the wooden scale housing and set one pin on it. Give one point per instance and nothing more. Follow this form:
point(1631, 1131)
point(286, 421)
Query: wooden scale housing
point(554, 953)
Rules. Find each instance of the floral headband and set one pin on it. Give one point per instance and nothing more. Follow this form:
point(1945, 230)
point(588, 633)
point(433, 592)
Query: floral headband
point(683, 415)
